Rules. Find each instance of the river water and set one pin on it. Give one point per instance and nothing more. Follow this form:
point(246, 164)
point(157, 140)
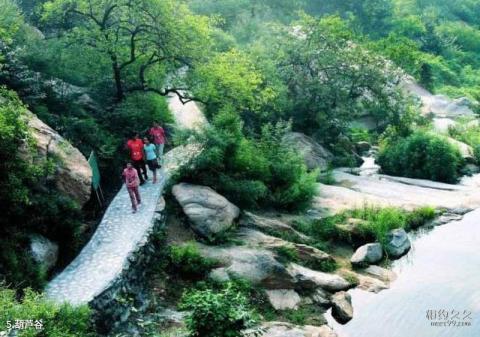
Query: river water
point(439, 276)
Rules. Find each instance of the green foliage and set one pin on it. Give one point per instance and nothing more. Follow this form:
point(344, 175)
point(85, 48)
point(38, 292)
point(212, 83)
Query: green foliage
point(420, 216)
point(287, 254)
point(217, 313)
point(186, 260)
point(421, 155)
point(469, 134)
point(327, 89)
point(30, 202)
point(58, 321)
point(158, 37)
point(379, 221)
point(251, 172)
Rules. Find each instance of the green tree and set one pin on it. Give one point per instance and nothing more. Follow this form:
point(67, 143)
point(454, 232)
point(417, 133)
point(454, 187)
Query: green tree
point(143, 40)
point(332, 80)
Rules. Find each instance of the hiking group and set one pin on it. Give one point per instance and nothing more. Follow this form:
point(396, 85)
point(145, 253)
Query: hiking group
point(143, 152)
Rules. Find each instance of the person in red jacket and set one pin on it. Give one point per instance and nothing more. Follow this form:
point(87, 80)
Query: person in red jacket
point(135, 145)
point(158, 135)
point(130, 178)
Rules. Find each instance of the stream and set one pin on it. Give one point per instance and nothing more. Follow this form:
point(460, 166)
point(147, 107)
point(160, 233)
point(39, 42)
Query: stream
point(436, 293)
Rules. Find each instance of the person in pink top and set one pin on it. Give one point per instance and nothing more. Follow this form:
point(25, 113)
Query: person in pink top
point(131, 179)
point(158, 135)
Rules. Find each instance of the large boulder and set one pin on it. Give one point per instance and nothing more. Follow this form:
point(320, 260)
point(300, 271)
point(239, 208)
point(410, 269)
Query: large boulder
point(44, 251)
point(258, 266)
point(397, 243)
point(282, 329)
point(314, 154)
point(72, 174)
point(342, 309)
point(209, 212)
point(311, 279)
point(367, 254)
point(304, 253)
point(271, 226)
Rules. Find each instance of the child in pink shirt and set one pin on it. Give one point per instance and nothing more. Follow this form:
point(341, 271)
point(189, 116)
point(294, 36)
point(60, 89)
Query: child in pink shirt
point(130, 177)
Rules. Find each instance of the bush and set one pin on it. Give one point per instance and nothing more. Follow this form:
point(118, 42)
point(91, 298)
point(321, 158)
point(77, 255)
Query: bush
point(420, 216)
point(251, 172)
point(223, 313)
point(186, 259)
point(421, 155)
point(379, 221)
point(58, 321)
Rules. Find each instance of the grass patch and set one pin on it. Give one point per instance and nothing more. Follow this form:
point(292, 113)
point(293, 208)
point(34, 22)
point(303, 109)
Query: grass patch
point(187, 261)
point(371, 223)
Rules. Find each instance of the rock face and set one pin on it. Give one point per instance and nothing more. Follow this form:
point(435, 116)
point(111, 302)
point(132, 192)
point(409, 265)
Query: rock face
point(282, 329)
point(398, 243)
point(270, 225)
point(439, 105)
point(73, 176)
point(305, 253)
point(282, 299)
point(342, 309)
point(209, 212)
point(255, 265)
point(367, 254)
point(44, 251)
point(311, 279)
point(314, 154)
point(465, 150)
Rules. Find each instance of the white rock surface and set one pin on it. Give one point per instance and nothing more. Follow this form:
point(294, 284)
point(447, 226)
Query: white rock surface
point(209, 212)
point(282, 299)
point(44, 251)
point(307, 278)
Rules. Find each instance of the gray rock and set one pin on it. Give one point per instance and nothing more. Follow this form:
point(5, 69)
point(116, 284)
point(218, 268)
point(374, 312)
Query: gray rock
point(362, 147)
point(305, 253)
point(44, 251)
point(282, 299)
point(371, 284)
point(397, 243)
point(446, 218)
point(342, 309)
point(314, 154)
point(311, 279)
point(380, 273)
point(256, 265)
point(367, 254)
point(209, 212)
point(72, 175)
point(321, 297)
point(271, 226)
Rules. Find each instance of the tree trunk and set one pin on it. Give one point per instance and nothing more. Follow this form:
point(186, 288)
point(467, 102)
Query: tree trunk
point(117, 76)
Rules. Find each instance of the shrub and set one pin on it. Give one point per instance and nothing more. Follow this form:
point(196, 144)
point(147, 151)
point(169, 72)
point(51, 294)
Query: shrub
point(420, 216)
point(379, 221)
point(251, 172)
point(421, 155)
point(287, 254)
point(58, 321)
point(186, 259)
point(223, 313)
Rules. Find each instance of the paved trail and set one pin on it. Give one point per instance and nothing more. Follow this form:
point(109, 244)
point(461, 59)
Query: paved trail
point(106, 254)
point(121, 233)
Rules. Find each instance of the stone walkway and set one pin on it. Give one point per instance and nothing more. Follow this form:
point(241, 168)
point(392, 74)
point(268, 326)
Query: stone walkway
point(121, 233)
point(118, 235)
